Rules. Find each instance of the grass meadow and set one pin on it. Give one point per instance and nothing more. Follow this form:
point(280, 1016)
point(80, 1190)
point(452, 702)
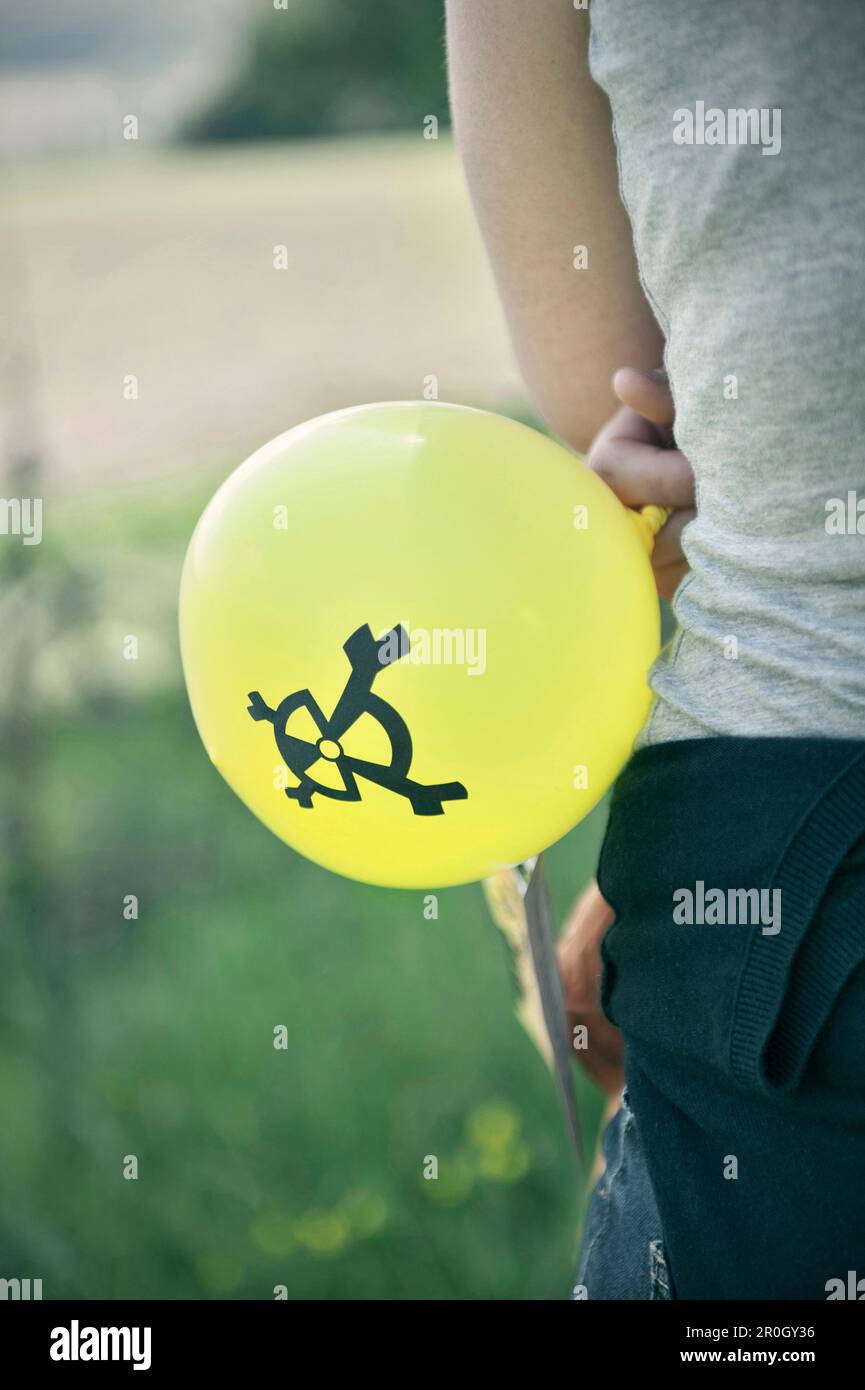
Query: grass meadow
point(152, 1035)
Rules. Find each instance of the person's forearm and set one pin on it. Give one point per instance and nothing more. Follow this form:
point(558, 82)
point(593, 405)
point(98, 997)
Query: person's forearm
point(535, 136)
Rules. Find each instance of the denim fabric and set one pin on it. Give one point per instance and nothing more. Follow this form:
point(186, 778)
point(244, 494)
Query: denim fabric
point(623, 1253)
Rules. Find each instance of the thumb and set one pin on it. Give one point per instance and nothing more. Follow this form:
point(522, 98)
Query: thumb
point(646, 392)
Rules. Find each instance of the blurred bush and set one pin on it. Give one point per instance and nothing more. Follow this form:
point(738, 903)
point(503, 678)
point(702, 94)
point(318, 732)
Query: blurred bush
point(333, 67)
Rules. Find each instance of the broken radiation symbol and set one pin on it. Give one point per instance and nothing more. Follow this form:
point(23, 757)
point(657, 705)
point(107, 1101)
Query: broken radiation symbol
point(416, 640)
point(367, 657)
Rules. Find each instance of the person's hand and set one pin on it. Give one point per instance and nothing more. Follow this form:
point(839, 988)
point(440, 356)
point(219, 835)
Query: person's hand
point(636, 456)
point(580, 965)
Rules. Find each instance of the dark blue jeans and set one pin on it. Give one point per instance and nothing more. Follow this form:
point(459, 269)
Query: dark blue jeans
point(623, 1253)
point(745, 1037)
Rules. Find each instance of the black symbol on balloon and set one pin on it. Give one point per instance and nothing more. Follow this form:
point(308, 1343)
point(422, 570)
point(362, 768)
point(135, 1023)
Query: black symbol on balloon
point(368, 657)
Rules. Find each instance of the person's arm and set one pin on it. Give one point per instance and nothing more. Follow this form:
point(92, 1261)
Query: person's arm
point(535, 136)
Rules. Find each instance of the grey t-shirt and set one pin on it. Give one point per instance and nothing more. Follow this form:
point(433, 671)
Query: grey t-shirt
point(751, 254)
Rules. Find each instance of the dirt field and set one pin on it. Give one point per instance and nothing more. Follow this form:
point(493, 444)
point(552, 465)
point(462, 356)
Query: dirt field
point(161, 266)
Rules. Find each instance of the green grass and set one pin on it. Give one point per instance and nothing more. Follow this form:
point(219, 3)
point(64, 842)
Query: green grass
point(257, 1167)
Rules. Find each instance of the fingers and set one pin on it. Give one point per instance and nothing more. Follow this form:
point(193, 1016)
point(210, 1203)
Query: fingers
point(648, 393)
point(641, 473)
point(668, 560)
point(590, 917)
point(668, 580)
point(668, 542)
point(626, 424)
point(608, 1075)
point(635, 454)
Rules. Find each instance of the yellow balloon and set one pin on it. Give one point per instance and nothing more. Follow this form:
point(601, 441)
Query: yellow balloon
point(416, 640)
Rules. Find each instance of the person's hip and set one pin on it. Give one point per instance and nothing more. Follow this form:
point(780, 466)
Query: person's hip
point(735, 969)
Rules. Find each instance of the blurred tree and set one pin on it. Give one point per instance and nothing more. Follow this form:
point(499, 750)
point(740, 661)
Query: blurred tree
point(331, 67)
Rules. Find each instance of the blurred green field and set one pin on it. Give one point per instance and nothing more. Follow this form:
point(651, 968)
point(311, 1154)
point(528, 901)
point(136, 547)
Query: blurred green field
point(257, 1167)
point(154, 1037)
